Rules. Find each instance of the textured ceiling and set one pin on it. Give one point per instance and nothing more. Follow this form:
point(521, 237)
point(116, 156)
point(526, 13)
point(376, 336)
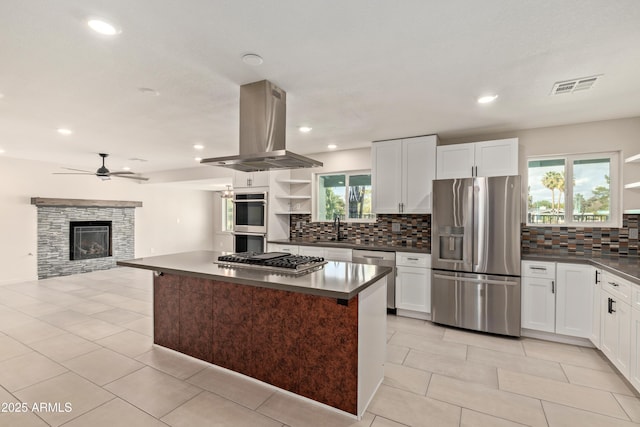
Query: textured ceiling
point(356, 71)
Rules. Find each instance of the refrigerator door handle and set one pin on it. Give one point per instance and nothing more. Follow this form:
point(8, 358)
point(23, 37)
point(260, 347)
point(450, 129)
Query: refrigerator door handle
point(468, 237)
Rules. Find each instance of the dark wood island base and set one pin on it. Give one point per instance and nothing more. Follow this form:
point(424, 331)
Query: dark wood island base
point(302, 343)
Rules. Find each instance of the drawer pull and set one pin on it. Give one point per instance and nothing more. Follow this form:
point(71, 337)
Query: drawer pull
point(533, 267)
point(413, 259)
point(614, 284)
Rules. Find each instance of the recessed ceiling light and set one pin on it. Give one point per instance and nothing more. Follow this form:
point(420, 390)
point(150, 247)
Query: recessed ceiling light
point(65, 131)
point(1, 95)
point(2, 151)
point(332, 146)
point(198, 159)
point(126, 168)
point(487, 99)
point(148, 91)
point(102, 27)
point(198, 146)
point(305, 129)
point(252, 59)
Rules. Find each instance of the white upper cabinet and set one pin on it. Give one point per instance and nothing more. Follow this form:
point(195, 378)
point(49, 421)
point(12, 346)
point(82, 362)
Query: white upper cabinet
point(402, 172)
point(455, 161)
point(250, 179)
point(487, 158)
point(386, 179)
point(419, 171)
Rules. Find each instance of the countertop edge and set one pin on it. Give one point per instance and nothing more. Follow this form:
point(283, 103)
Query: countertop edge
point(350, 245)
point(384, 271)
point(599, 263)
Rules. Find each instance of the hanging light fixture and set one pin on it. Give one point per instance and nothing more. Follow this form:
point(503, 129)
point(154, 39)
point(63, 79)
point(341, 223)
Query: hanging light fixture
point(228, 193)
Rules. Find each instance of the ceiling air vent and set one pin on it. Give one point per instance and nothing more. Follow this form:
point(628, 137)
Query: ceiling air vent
point(575, 85)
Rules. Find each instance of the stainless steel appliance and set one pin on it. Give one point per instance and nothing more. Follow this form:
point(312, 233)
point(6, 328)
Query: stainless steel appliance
point(280, 262)
point(386, 259)
point(250, 213)
point(475, 276)
point(263, 114)
point(249, 242)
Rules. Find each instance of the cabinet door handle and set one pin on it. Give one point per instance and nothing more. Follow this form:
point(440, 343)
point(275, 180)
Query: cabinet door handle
point(553, 286)
point(472, 171)
point(614, 284)
point(597, 278)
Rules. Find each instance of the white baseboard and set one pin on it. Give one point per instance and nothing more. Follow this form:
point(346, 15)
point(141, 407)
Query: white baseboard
point(413, 314)
point(564, 339)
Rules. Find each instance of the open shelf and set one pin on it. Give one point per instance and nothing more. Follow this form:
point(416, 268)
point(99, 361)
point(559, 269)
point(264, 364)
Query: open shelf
point(632, 186)
point(633, 159)
point(286, 196)
point(294, 212)
point(295, 181)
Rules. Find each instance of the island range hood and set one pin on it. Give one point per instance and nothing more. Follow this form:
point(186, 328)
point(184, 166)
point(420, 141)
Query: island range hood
point(263, 111)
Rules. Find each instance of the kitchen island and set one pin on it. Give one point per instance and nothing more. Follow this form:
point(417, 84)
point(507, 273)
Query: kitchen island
point(321, 335)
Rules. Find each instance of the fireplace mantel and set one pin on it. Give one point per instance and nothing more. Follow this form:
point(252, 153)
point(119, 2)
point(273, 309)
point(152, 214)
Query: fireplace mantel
point(43, 201)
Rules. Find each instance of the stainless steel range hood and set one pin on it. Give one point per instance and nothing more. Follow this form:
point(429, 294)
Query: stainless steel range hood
point(263, 111)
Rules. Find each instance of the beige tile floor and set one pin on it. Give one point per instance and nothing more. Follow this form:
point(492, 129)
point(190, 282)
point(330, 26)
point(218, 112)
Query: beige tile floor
point(86, 340)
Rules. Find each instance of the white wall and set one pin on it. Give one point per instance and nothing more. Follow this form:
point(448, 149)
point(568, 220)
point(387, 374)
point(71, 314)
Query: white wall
point(171, 220)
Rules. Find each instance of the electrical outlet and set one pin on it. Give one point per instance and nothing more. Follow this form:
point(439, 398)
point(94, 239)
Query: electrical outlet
point(395, 227)
point(633, 233)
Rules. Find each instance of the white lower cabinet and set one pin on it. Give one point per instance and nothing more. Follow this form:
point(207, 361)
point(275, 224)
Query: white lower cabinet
point(594, 337)
point(413, 283)
point(277, 247)
point(574, 299)
point(538, 296)
point(615, 331)
point(329, 254)
point(557, 298)
point(634, 364)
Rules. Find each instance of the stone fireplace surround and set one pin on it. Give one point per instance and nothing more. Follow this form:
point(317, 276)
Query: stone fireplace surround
point(54, 217)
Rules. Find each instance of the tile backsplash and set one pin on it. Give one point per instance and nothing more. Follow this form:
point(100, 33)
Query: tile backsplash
point(603, 241)
point(415, 230)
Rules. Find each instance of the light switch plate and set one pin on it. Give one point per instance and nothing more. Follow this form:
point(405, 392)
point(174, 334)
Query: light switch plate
point(633, 233)
point(395, 227)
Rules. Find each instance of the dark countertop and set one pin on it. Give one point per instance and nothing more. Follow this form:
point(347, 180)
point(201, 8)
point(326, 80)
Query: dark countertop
point(625, 267)
point(342, 280)
point(351, 245)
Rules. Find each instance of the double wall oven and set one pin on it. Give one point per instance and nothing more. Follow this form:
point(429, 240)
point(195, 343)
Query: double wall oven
point(249, 222)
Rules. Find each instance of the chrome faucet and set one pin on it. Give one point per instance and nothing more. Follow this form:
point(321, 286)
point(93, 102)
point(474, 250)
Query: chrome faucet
point(336, 227)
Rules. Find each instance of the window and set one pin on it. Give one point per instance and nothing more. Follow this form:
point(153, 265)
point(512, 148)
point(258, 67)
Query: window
point(574, 190)
point(227, 214)
point(346, 194)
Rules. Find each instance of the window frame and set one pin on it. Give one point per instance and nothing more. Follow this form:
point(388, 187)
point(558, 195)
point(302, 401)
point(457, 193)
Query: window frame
point(615, 188)
point(223, 212)
point(315, 197)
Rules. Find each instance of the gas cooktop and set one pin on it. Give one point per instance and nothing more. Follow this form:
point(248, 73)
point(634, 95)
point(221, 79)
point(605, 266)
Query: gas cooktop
point(280, 262)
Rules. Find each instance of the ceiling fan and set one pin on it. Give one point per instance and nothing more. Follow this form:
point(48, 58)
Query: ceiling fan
point(103, 173)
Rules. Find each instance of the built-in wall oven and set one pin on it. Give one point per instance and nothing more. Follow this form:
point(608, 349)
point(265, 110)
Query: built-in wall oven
point(249, 242)
point(249, 221)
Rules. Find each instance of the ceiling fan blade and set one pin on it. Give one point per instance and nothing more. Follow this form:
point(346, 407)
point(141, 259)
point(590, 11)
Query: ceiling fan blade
point(139, 178)
point(78, 170)
point(122, 173)
point(69, 173)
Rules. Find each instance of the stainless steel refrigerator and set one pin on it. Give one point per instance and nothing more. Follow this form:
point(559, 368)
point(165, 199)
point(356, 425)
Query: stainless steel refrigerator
point(475, 254)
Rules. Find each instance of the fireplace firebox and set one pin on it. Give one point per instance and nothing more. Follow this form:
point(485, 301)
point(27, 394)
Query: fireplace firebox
point(89, 239)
